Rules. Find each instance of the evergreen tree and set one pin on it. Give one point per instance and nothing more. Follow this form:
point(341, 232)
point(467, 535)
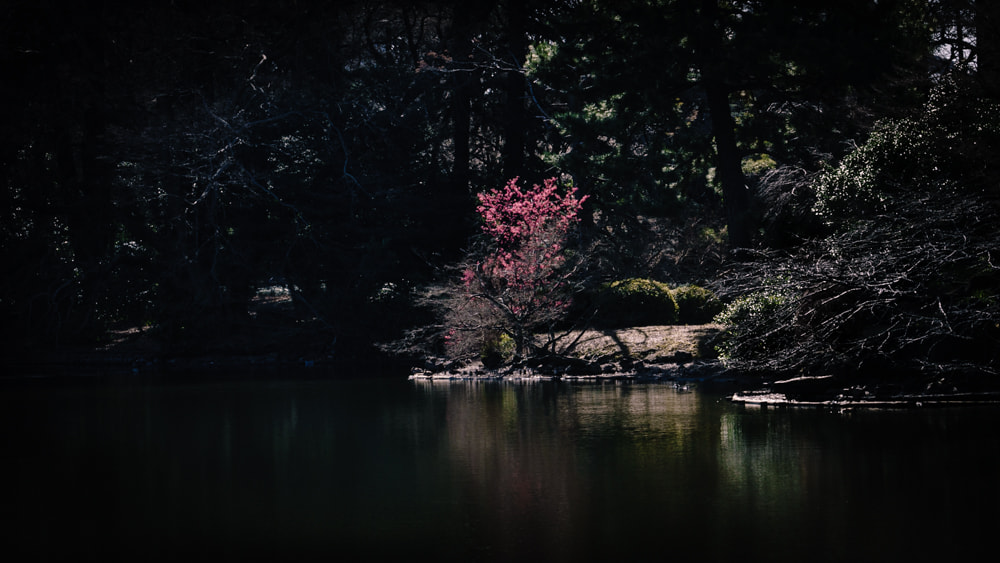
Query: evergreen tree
point(654, 82)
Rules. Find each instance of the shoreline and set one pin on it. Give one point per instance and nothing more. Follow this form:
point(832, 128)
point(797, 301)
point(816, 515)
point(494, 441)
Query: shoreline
point(679, 355)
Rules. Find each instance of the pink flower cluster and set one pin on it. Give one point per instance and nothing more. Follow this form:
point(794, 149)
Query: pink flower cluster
point(513, 216)
point(528, 229)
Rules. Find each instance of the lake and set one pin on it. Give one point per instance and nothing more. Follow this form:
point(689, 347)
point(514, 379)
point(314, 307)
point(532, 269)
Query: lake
point(266, 467)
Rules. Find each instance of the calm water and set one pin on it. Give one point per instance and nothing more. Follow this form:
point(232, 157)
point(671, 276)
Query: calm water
point(156, 468)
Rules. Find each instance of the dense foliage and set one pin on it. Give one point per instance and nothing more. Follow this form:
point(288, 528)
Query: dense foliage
point(906, 280)
point(250, 176)
point(635, 302)
point(696, 304)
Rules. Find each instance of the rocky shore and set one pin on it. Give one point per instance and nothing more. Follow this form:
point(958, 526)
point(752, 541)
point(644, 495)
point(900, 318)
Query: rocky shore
point(685, 356)
point(678, 353)
point(698, 370)
point(682, 355)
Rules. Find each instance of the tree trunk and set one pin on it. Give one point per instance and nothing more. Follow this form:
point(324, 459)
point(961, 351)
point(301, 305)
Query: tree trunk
point(462, 75)
point(735, 196)
point(988, 45)
point(88, 213)
point(711, 47)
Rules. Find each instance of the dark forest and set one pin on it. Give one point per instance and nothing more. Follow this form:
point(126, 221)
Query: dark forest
point(307, 180)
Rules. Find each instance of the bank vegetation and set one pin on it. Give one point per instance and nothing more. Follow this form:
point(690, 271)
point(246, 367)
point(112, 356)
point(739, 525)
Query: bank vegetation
point(355, 183)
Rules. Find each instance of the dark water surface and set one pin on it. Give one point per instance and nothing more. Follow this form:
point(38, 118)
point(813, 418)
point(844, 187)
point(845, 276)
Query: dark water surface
point(359, 470)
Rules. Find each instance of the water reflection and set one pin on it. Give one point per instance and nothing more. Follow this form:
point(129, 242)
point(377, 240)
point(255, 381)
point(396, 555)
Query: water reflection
point(289, 469)
point(571, 471)
point(620, 469)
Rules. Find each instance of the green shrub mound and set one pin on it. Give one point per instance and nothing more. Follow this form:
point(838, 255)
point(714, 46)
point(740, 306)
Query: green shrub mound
point(696, 305)
point(497, 351)
point(751, 323)
point(635, 302)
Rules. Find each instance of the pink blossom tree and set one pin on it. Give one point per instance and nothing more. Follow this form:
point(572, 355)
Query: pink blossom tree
point(520, 279)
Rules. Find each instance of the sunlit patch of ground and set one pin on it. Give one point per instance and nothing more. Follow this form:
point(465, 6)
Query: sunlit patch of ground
point(662, 352)
point(118, 338)
point(647, 343)
point(273, 300)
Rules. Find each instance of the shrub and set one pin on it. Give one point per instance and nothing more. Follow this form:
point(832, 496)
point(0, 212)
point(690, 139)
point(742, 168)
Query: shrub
point(497, 350)
point(635, 302)
point(944, 149)
point(758, 164)
point(756, 327)
point(696, 305)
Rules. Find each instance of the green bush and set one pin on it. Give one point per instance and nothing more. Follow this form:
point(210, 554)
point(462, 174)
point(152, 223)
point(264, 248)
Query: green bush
point(696, 305)
point(941, 150)
point(635, 302)
point(758, 164)
point(753, 326)
point(498, 350)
